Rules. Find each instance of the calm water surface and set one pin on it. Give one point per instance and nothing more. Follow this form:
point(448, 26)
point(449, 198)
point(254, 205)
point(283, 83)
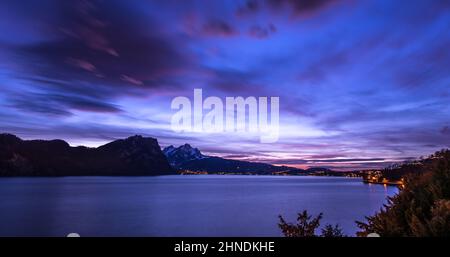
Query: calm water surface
point(205, 205)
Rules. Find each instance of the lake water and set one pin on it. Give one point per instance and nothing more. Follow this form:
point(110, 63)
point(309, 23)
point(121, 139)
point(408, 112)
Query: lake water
point(202, 205)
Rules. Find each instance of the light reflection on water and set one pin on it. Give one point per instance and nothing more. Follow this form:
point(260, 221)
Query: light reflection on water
point(204, 205)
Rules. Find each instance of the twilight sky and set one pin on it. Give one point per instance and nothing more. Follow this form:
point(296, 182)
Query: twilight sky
point(362, 83)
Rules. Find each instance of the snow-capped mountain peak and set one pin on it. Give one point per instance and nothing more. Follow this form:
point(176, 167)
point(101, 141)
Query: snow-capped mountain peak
point(182, 154)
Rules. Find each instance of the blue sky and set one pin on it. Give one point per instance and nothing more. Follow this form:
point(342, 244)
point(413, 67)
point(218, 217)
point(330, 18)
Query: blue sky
point(361, 83)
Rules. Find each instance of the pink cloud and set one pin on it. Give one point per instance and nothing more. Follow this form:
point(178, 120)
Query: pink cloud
point(85, 65)
point(131, 80)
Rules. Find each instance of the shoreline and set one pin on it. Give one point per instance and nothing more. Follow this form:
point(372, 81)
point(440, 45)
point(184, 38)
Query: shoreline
point(390, 183)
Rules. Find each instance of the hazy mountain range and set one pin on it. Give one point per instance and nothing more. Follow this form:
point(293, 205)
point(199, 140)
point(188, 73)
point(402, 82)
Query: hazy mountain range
point(187, 158)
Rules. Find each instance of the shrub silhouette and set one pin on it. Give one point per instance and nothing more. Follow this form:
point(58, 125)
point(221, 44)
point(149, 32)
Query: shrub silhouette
point(421, 208)
point(332, 231)
point(306, 227)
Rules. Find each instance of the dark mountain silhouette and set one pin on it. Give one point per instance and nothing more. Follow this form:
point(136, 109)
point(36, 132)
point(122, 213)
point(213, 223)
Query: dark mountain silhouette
point(187, 158)
point(214, 164)
point(133, 156)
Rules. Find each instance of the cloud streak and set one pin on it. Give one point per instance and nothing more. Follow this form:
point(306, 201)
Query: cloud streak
point(357, 88)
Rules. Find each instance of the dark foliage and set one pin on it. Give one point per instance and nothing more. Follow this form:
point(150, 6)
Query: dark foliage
point(307, 225)
point(332, 231)
point(421, 208)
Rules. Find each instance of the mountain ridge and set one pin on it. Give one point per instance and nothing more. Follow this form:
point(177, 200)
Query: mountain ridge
point(132, 156)
point(185, 158)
